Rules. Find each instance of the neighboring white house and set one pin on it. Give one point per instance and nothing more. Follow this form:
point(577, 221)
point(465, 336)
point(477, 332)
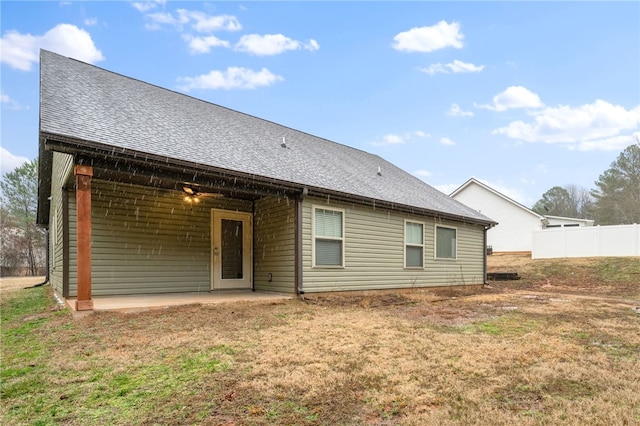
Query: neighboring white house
point(516, 223)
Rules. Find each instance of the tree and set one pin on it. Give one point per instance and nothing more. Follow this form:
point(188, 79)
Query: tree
point(20, 200)
point(570, 201)
point(617, 197)
point(581, 201)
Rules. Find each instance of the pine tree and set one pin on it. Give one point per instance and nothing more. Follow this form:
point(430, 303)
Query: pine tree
point(617, 197)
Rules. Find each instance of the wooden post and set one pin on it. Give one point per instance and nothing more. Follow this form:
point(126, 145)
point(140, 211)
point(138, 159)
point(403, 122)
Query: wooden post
point(83, 211)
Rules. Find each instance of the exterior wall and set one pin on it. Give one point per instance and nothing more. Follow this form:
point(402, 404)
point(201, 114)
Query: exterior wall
point(591, 241)
point(374, 252)
point(147, 240)
point(515, 224)
point(274, 245)
point(62, 170)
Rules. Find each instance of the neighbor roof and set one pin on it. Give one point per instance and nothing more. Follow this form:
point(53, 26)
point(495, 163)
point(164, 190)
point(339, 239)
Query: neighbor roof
point(97, 108)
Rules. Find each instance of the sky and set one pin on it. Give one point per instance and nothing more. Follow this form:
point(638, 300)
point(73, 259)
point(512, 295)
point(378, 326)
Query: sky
point(523, 96)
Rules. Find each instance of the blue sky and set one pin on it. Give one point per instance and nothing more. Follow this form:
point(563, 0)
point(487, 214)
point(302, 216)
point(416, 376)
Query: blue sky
point(521, 95)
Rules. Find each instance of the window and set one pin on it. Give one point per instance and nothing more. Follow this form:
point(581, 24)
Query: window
point(413, 244)
point(328, 237)
point(445, 243)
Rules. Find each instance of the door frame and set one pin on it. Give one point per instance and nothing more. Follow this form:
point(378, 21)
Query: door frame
point(246, 282)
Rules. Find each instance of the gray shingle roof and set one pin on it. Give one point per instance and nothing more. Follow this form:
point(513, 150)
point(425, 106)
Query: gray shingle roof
point(88, 103)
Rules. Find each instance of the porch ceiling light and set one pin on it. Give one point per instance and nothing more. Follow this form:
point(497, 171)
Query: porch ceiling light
point(191, 195)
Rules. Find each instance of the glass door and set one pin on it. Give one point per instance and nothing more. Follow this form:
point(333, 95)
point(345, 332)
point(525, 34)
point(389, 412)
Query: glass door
point(231, 249)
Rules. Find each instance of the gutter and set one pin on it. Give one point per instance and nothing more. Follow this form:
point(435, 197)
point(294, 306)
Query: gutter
point(75, 146)
point(298, 243)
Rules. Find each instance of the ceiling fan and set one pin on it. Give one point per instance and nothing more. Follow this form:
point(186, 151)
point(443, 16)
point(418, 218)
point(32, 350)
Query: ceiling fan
point(192, 195)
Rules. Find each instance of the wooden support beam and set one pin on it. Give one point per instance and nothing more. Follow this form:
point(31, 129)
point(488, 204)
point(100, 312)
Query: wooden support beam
point(83, 210)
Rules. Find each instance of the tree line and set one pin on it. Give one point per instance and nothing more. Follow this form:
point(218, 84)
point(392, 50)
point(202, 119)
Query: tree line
point(614, 201)
point(23, 244)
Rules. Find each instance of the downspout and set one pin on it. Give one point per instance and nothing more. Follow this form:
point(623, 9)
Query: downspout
point(298, 242)
point(46, 278)
point(253, 245)
point(65, 242)
point(484, 263)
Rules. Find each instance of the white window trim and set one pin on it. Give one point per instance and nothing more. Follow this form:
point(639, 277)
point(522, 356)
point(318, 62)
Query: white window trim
point(404, 247)
point(314, 207)
point(435, 243)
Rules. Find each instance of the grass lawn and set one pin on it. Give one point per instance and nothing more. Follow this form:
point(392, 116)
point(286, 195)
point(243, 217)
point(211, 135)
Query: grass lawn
point(560, 346)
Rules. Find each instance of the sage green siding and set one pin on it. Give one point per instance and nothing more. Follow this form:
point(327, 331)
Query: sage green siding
point(274, 244)
point(147, 240)
point(62, 170)
point(374, 252)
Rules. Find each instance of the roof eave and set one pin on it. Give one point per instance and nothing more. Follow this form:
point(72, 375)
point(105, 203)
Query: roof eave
point(62, 143)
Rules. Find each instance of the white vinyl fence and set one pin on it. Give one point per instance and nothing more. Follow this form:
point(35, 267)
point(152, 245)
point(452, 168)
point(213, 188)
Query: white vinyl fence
point(586, 241)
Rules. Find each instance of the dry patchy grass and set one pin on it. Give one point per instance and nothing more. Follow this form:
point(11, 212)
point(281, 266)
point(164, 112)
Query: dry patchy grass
point(512, 354)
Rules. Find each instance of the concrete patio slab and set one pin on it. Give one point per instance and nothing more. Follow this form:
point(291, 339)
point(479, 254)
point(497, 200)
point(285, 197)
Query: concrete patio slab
point(144, 302)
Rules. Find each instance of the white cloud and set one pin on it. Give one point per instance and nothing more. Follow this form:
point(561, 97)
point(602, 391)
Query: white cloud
point(428, 39)
point(158, 19)
point(600, 125)
point(458, 66)
point(447, 142)
point(8, 161)
point(455, 67)
point(9, 103)
point(456, 111)
point(197, 20)
point(90, 21)
point(232, 78)
point(203, 44)
point(434, 69)
point(422, 173)
point(147, 5)
point(272, 44)
point(394, 139)
point(204, 23)
point(514, 97)
point(20, 51)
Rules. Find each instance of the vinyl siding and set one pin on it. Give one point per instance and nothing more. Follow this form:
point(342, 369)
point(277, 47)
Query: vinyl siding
point(374, 252)
point(147, 240)
point(62, 170)
point(274, 244)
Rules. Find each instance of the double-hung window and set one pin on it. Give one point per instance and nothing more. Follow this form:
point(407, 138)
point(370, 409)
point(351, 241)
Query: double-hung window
point(413, 244)
point(445, 242)
point(328, 228)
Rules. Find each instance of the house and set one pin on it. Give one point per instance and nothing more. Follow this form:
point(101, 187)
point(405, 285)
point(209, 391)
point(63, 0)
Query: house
point(145, 190)
point(516, 223)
